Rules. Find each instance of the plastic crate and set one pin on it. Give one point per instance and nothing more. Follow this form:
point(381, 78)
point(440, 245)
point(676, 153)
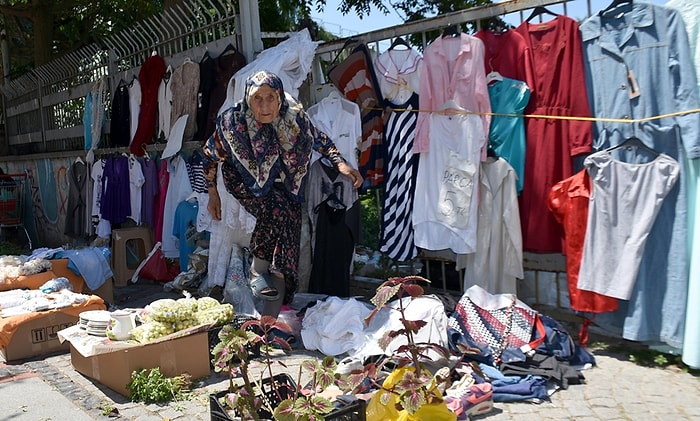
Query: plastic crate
point(238, 320)
point(348, 408)
point(286, 387)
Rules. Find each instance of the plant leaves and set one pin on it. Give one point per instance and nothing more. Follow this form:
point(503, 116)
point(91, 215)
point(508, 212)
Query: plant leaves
point(285, 411)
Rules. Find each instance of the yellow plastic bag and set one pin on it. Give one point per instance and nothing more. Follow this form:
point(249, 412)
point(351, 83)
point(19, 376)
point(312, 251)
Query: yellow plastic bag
point(376, 411)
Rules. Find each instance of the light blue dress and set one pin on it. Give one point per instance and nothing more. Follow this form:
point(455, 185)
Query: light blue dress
point(690, 11)
point(507, 134)
point(638, 65)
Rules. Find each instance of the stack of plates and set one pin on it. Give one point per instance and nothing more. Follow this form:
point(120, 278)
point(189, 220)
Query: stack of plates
point(95, 322)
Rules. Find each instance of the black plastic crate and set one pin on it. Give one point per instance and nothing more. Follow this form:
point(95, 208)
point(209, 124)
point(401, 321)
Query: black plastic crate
point(286, 387)
point(238, 320)
point(348, 408)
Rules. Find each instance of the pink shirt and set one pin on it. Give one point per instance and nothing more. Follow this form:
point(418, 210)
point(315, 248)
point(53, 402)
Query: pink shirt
point(453, 68)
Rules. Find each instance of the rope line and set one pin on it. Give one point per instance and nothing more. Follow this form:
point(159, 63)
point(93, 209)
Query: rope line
point(552, 117)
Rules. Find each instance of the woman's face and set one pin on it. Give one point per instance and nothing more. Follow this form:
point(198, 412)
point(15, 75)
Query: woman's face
point(264, 104)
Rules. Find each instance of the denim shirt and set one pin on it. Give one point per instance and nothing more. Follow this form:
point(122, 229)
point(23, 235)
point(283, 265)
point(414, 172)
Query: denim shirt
point(638, 65)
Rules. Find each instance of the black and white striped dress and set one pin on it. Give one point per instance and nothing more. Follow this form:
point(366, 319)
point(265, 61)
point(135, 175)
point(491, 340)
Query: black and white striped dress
point(396, 236)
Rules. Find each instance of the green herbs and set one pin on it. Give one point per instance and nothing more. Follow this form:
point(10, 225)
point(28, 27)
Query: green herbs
point(151, 386)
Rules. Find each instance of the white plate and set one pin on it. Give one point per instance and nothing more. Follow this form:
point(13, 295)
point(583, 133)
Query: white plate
point(95, 316)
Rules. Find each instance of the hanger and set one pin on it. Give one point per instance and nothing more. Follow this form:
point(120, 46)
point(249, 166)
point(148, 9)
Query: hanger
point(230, 49)
point(347, 43)
point(451, 104)
point(451, 31)
point(334, 95)
point(493, 76)
point(79, 160)
point(539, 10)
point(632, 143)
point(614, 4)
point(399, 41)
point(192, 195)
point(167, 74)
point(498, 25)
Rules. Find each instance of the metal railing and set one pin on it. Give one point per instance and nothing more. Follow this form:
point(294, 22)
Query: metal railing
point(44, 107)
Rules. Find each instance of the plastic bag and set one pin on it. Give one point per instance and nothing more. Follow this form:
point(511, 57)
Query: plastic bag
point(196, 271)
point(236, 289)
point(55, 285)
point(376, 411)
point(155, 267)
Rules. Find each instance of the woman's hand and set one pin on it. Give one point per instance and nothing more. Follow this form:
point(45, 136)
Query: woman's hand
point(214, 206)
point(350, 173)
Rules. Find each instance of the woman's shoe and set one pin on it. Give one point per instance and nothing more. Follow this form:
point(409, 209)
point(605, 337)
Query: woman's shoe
point(477, 400)
point(263, 287)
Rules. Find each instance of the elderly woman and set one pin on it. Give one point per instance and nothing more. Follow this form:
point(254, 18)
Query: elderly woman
point(264, 143)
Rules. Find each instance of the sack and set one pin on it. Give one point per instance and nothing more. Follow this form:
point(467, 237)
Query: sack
point(237, 290)
point(497, 321)
point(155, 267)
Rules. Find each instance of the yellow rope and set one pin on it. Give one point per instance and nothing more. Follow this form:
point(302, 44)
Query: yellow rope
point(552, 117)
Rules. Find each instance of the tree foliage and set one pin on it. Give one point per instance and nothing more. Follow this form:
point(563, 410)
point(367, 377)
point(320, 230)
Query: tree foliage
point(41, 30)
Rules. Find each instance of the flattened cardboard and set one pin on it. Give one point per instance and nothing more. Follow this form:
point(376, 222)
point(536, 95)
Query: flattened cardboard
point(38, 337)
point(187, 354)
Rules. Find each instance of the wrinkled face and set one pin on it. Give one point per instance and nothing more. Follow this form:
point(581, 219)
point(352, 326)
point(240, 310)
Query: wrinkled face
point(264, 103)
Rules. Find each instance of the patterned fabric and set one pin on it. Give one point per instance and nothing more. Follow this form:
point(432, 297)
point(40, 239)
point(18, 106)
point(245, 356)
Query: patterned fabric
point(355, 79)
point(277, 232)
point(498, 321)
point(264, 153)
point(264, 166)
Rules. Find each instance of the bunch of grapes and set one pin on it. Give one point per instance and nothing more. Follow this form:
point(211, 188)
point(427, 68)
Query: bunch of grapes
point(151, 331)
point(166, 316)
point(218, 315)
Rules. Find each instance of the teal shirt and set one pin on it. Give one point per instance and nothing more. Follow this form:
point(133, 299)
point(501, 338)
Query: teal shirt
point(507, 134)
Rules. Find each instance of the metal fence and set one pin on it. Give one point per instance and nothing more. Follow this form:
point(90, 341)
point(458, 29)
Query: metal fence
point(44, 107)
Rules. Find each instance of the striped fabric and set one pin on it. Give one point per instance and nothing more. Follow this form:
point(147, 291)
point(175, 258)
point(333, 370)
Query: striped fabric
point(396, 237)
point(355, 79)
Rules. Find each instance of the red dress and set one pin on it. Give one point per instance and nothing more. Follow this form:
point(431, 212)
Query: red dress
point(508, 54)
point(568, 201)
point(559, 89)
point(150, 75)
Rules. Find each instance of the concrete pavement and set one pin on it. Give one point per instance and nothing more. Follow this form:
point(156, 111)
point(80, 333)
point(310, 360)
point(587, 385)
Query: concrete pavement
point(50, 389)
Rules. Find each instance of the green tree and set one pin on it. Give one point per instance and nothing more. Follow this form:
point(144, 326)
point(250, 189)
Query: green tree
point(41, 30)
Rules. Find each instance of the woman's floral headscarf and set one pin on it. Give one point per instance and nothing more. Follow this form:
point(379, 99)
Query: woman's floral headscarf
point(265, 153)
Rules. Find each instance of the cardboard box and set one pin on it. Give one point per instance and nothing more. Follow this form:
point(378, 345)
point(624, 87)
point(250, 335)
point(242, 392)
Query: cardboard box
point(59, 268)
point(186, 354)
point(38, 337)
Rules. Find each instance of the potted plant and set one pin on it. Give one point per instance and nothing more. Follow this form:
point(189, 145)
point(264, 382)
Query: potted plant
point(263, 394)
point(410, 387)
point(259, 392)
